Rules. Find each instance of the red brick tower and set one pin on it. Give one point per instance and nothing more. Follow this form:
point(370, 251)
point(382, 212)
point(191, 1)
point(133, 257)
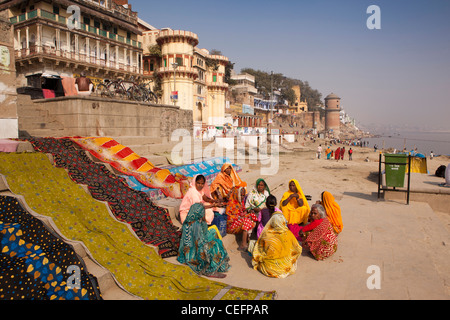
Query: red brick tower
point(332, 109)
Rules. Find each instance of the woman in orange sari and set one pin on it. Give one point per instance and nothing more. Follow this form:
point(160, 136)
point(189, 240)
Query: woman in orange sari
point(333, 211)
point(225, 180)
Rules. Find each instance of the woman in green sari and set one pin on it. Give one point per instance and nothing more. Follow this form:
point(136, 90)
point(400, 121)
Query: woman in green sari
point(257, 197)
point(201, 248)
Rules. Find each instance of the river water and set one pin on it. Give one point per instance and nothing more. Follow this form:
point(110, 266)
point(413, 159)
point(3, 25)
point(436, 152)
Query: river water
point(425, 142)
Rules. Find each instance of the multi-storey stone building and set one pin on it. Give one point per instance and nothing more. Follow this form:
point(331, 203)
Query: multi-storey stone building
point(191, 77)
point(300, 103)
point(242, 102)
point(8, 97)
point(63, 38)
point(107, 40)
point(244, 89)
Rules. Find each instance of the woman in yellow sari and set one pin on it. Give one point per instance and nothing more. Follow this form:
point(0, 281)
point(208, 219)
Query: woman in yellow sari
point(294, 205)
point(276, 252)
point(333, 211)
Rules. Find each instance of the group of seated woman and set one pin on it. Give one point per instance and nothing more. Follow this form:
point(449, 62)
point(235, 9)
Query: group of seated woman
point(296, 226)
point(279, 233)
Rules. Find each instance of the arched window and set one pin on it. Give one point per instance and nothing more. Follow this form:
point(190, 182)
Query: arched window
point(199, 112)
point(55, 42)
point(32, 39)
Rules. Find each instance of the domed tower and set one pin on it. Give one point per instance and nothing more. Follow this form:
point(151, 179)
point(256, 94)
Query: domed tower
point(332, 110)
point(177, 71)
point(217, 88)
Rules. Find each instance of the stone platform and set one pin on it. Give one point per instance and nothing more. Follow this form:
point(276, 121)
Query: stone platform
point(424, 187)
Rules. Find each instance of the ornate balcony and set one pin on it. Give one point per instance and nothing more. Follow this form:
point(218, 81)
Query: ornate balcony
point(48, 16)
point(180, 71)
point(27, 56)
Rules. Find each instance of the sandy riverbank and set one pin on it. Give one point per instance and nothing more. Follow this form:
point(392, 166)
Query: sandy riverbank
point(409, 243)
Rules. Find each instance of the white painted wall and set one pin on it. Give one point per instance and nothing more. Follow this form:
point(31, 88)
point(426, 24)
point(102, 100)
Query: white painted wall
point(9, 128)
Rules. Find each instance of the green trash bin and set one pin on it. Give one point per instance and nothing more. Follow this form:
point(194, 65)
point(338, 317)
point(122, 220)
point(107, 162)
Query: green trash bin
point(395, 166)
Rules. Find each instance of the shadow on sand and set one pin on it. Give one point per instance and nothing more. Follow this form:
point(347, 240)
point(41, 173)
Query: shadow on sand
point(248, 257)
point(366, 196)
point(435, 183)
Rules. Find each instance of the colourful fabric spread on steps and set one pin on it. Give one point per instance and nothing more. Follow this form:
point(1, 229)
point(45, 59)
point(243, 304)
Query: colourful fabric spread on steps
point(50, 192)
point(36, 263)
point(128, 162)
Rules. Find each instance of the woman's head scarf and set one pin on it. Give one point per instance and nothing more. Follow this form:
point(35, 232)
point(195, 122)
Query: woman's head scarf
point(333, 211)
point(266, 186)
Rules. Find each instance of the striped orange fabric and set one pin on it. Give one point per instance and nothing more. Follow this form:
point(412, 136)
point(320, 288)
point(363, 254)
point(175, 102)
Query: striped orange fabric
point(128, 162)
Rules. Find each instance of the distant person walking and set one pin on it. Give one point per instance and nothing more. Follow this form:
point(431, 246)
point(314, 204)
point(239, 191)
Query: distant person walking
point(350, 153)
point(329, 153)
point(337, 154)
point(431, 155)
point(342, 153)
point(319, 151)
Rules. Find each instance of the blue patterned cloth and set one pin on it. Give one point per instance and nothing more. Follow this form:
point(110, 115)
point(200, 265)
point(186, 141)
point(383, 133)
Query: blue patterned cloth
point(34, 262)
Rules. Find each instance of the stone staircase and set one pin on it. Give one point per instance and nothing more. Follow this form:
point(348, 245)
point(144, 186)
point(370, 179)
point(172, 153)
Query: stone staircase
point(109, 287)
point(34, 121)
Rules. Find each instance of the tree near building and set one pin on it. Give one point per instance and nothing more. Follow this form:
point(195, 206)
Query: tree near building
point(265, 81)
point(155, 50)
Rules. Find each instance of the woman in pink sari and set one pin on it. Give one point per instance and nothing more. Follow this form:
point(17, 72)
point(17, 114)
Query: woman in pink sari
point(198, 193)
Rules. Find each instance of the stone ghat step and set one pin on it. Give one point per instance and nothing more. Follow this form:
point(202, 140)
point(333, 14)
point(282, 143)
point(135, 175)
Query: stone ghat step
point(32, 113)
point(138, 140)
point(43, 133)
point(109, 288)
point(34, 123)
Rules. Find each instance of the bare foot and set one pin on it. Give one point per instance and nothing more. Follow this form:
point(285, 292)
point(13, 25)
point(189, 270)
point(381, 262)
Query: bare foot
point(217, 275)
point(243, 248)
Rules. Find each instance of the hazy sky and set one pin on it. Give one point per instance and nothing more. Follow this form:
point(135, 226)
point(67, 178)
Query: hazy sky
point(397, 74)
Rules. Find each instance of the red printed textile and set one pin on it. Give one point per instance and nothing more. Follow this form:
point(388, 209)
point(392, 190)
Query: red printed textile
point(151, 224)
point(321, 241)
point(237, 217)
